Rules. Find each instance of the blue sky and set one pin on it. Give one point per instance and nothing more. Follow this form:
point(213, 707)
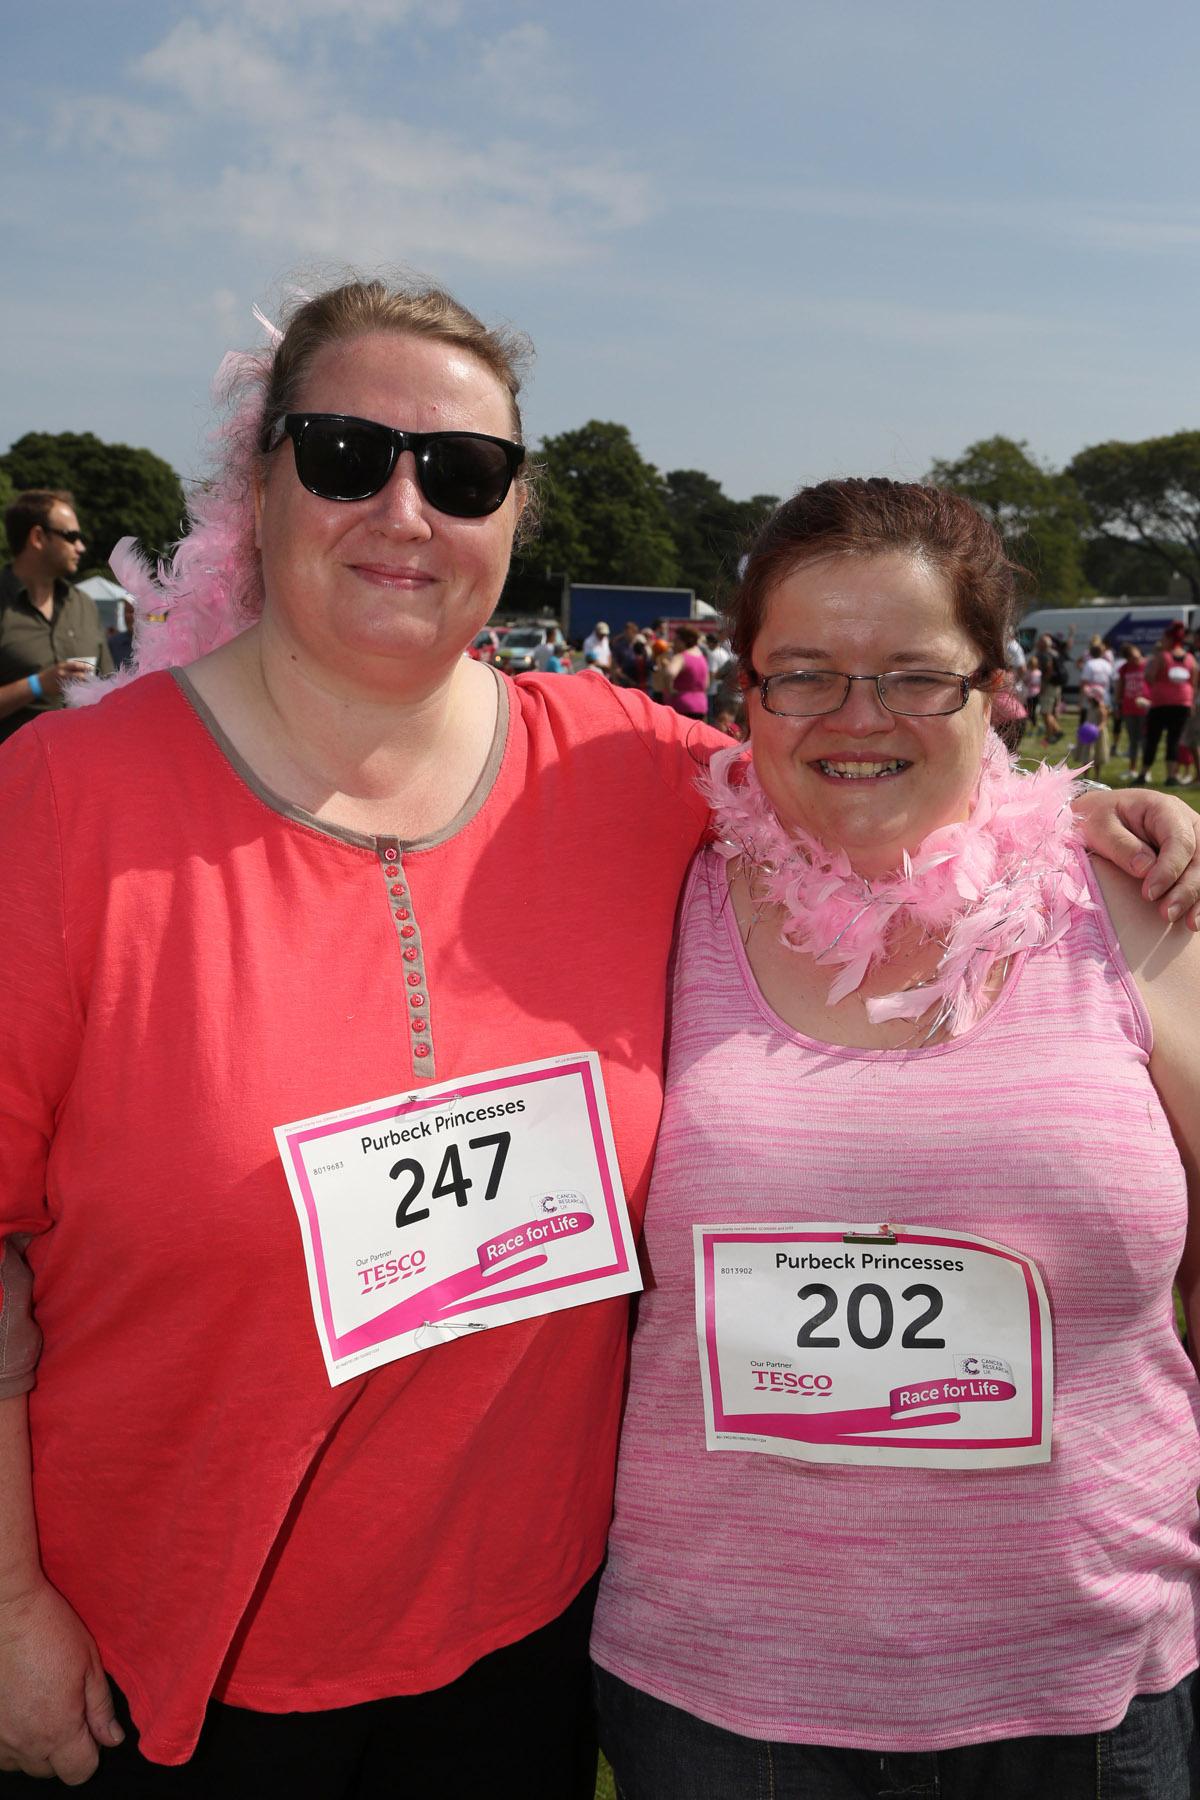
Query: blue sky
point(778, 239)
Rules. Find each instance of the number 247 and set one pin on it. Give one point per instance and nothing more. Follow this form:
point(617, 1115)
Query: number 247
point(449, 1178)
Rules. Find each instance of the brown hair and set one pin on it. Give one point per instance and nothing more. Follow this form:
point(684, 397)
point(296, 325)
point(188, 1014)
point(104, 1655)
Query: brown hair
point(31, 508)
point(877, 517)
point(687, 636)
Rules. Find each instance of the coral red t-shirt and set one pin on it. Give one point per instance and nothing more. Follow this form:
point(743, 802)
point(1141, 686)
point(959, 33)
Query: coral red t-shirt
point(1172, 678)
point(189, 963)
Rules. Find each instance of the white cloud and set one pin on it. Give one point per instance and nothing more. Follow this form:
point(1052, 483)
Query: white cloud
point(111, 126)
point(356, 19)
point(525, 72)
point(216, 69)
point(1147, 228)
point(307, 172)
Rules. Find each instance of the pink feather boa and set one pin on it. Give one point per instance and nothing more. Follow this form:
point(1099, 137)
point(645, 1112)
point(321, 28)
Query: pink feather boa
point(197, 600)
point(1002, 881)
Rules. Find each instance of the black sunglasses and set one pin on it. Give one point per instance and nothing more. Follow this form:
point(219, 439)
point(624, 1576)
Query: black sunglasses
point(462, 473)
point(72, 537)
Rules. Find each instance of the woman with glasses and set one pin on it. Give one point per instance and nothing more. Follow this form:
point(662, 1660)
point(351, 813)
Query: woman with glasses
point(323, 1529)
point(906, 1499)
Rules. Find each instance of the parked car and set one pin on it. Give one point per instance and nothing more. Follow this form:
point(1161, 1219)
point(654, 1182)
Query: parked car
point(486, 643)
point(521, 645)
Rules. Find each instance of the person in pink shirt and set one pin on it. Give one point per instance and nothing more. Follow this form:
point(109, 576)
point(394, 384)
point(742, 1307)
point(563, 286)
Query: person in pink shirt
point(688, 668)
point(906, 1499)
point(1133, 703)
point(1171, 676)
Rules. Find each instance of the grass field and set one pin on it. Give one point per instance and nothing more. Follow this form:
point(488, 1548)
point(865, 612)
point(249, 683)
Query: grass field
point(1113, 771)
point(604, 1783)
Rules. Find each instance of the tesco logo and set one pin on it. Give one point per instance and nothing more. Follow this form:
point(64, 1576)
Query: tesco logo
point(396, 1268)
point(786, 1381)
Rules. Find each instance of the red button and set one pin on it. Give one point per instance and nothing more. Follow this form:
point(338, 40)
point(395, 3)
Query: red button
point(402, 912)
point(407, 931)
point(416, 999)
point(420, 1049)
point(420, 1024)
point(398, 890)
point(414, 979)
point(409, 955)
point(389, 856)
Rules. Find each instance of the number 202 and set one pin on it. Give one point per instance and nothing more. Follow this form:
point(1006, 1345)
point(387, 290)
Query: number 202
point(911, 1339)
point(449, 1178)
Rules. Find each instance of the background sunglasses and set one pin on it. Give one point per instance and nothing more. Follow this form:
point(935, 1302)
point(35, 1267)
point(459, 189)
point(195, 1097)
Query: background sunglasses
point(462, 473)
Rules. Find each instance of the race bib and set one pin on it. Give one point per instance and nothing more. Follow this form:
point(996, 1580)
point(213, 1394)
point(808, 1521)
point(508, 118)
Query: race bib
point(1179, 672)
point(896, 1345)
point(463, 1206)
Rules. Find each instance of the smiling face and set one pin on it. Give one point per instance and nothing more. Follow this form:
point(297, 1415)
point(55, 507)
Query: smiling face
point(386, 589)
point(863, 779)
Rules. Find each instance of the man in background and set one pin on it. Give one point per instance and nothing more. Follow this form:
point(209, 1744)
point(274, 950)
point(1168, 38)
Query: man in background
point(50, 633)
point(596, 648)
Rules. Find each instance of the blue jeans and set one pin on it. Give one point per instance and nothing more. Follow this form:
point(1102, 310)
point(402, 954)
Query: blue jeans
point(658, 1752)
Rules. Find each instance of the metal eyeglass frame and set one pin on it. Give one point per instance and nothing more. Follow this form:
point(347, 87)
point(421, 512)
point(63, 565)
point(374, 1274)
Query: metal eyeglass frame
point(765, 683)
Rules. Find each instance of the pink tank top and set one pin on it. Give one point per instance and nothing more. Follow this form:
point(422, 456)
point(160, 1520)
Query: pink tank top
point(690, 687)
point(1173, 680)
point(896, 1608)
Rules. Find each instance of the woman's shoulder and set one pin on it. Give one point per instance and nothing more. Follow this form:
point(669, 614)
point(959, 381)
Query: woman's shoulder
point(587, 706)
point(1164, 959)
point(134, 718)
point(574, 714)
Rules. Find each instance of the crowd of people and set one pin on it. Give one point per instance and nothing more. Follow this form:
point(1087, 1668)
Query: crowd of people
point(911, 1445)
point(695, 673)
point(1126, 697)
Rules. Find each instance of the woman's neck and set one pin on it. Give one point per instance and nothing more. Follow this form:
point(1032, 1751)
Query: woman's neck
point(401, 763)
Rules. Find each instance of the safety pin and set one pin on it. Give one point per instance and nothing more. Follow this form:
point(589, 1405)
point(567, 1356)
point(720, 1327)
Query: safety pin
point(450, 1326)
point(885, 1235)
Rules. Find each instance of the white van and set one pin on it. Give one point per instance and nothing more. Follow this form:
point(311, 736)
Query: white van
point(1140, 622)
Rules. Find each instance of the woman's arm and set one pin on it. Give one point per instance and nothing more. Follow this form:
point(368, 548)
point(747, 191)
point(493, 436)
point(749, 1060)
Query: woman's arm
point(55, 1705)
point(1129, 828)
point(1165, 962)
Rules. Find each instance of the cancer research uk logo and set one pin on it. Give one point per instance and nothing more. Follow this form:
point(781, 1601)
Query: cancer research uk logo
point(988, 1367)
point(545, 1206)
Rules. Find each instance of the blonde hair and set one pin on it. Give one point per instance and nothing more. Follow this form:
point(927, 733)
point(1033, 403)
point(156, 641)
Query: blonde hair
point(359, 307)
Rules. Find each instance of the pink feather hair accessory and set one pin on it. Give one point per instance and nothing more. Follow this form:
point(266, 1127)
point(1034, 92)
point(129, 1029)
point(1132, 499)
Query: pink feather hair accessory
point(1002, 881)
point(206, 591)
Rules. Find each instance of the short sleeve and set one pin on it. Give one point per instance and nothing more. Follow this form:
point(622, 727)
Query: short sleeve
point(39, 1018)
point(679, 747)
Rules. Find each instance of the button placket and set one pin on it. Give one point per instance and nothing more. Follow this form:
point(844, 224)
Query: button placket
point(408, 938)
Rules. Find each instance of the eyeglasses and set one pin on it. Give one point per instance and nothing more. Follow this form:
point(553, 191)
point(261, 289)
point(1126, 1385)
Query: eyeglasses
point(462, 473)
point(71, 537)
point(913, 693)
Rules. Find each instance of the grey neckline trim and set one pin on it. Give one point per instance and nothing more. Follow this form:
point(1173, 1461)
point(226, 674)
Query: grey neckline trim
point(361, 840)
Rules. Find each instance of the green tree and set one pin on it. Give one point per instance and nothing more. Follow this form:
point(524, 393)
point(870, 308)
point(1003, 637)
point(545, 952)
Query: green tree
point(604, 517)
point(1147, 494)
point(1123, 566)
point(119, 491)
point(710, 530)
point(1037, 512)
point(8, 494)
